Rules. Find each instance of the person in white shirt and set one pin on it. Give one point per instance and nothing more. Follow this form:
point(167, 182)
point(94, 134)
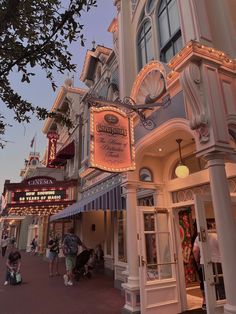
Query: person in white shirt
point(4, 244)
point(216, 264)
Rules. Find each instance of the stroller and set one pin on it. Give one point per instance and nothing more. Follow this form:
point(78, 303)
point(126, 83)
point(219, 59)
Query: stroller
point(84, 264)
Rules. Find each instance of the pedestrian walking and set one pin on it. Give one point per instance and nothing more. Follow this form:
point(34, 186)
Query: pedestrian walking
point(70, 250)
point(53, 246)
point(34, 245)
point(13, 266)
point(216, 264)
point(4, 244)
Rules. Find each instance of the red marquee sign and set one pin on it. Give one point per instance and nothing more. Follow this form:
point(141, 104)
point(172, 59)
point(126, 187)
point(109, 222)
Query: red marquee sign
point(112, 140)
point(52, 147)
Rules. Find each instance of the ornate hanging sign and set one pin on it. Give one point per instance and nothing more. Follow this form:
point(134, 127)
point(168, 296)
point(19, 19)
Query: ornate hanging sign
point(112, 140)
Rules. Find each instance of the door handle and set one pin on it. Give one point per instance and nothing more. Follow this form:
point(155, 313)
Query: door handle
point(143, 262)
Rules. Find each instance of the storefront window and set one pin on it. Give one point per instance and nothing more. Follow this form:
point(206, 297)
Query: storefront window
point(121, 226)
point(157, 243)
point(187, 234)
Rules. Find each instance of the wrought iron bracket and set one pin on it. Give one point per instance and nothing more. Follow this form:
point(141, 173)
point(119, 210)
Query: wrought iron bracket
point(129, 104)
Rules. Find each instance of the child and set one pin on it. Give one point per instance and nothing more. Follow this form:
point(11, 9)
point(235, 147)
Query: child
point(13, 263)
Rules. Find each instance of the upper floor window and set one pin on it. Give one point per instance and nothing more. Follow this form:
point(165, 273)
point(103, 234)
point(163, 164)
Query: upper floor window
point(169, 29)
point(144, 42)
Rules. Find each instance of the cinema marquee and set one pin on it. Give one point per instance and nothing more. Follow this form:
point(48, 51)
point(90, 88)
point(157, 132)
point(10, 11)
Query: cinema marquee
point(112, 140)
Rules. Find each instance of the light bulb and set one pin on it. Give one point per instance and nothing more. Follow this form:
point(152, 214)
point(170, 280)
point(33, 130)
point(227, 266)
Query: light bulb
point(181, 171)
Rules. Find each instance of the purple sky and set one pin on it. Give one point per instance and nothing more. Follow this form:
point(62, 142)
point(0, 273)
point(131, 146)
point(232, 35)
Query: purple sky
point(39, 91)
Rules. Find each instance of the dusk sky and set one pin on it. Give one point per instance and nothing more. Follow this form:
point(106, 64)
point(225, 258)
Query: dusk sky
point(39, 91)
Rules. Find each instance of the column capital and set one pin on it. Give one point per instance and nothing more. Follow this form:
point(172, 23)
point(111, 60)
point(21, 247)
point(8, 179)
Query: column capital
point(130, 187)
point(215, 159)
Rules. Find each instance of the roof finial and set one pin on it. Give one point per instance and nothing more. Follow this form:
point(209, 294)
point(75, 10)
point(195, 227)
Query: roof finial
point(93, 43)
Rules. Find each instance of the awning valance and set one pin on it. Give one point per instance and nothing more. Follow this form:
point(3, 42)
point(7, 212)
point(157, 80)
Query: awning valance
point(102, 197)
point(67, 152)
point(57, 162)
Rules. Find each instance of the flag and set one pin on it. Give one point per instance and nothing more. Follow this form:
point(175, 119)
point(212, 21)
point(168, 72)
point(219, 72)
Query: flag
point(32, 142)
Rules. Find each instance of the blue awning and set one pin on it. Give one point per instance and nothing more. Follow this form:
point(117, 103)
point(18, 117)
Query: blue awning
point(104, 196)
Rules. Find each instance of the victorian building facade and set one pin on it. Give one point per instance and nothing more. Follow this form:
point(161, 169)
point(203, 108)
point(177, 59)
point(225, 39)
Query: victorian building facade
point(174, 62)
point(177, 50)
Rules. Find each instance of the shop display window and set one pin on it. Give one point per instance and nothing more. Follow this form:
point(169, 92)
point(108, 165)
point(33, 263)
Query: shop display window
point(187, 236)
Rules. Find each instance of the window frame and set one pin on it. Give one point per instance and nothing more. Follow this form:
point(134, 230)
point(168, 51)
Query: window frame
point(150, 172)
point(142, 24)
point(172, 38)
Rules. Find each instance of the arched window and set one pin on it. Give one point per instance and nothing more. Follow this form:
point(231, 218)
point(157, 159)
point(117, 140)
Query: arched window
point(150, 6)
point(145, 175)
point(169, 29)
point(144, 43)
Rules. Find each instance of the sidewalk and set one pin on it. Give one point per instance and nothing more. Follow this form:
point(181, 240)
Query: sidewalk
point(40, 294)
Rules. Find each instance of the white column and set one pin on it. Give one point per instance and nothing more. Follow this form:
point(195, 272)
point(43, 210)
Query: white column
point(132, 244)
point(127, 69)
point(132, 290)
point(226, 226)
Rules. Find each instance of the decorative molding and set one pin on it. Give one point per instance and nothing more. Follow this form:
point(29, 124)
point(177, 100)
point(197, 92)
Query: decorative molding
point(188, 194)
point(191, 80)
point(150, 83)
point(194, 49)
point(117, 3)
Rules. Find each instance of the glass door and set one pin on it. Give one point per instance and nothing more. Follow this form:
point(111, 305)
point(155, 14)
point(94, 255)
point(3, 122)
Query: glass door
point(157, 262)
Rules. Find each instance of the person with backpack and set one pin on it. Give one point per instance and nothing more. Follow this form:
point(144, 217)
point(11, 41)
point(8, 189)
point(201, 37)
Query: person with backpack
point(70, 249)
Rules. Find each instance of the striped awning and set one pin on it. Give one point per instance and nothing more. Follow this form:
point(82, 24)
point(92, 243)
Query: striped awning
point(104, 196)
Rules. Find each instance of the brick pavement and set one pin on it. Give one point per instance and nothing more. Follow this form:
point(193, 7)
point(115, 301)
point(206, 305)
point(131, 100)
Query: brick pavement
point(40, 294)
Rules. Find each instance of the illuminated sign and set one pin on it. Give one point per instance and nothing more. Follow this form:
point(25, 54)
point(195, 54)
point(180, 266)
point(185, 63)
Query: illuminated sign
point(112, 140)
point(39, 196)
point(52, 147)
point(40, 181)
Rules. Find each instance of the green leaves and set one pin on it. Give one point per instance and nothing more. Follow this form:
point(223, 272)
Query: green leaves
point(36, 33)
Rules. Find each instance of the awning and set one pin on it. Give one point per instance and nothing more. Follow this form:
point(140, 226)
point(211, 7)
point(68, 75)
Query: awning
point(57, 162)
point(104, 196)
point(67, 152)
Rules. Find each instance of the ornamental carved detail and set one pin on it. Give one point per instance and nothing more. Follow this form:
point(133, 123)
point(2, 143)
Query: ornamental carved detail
point(117, 3)
point(191, 82)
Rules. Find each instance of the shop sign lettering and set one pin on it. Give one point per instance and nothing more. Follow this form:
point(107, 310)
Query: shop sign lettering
point(38, 196)
point(112, 143)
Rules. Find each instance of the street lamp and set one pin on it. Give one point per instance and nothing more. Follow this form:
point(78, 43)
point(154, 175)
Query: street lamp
point(181, 170)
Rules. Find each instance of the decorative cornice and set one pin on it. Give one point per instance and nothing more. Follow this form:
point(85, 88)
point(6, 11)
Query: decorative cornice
point(96, 53)
point(196, 51)
point(59, 99)
point(113, 27)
